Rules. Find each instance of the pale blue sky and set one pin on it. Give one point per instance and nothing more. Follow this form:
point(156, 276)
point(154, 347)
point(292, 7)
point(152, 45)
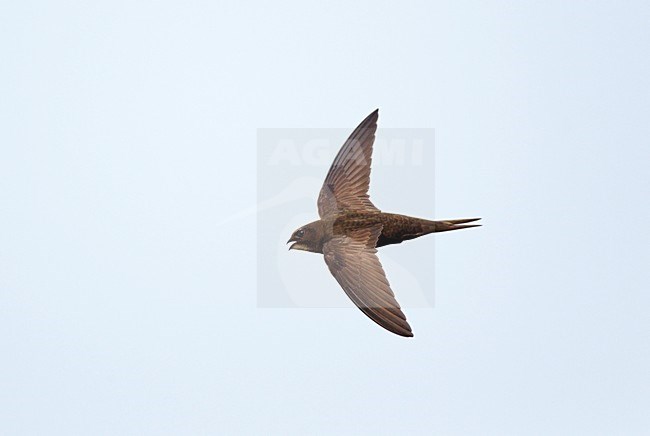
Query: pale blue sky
point(129, 131)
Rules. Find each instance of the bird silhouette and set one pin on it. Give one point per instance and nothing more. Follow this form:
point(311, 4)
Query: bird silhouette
point(351, 228)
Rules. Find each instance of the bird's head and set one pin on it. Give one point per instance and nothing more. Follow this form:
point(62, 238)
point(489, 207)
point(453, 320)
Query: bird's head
point(308, 238)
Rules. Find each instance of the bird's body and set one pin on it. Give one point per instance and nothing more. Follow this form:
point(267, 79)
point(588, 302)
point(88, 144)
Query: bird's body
point(395, 228)
point(351, 228)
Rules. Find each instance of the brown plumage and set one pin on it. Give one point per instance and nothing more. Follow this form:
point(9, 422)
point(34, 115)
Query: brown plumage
point(351, 228)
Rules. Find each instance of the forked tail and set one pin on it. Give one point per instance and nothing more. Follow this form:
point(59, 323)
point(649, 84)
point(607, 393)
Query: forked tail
point(447, 225)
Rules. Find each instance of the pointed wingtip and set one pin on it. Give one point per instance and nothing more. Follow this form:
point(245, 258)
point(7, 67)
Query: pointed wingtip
point(405, 333)
point(368, 122)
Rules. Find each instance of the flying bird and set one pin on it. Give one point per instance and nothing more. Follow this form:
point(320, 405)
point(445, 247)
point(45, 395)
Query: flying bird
point(351, 228)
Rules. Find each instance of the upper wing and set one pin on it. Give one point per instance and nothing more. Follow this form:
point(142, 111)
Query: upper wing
point(346, 184)
point(354, 263)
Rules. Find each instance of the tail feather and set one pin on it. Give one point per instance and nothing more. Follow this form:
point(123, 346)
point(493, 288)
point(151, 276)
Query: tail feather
point(447, 225)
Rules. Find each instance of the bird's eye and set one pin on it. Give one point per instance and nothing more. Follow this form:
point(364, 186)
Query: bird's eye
point(300, 233)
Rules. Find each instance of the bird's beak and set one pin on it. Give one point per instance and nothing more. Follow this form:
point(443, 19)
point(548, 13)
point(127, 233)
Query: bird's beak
point(297, 245)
